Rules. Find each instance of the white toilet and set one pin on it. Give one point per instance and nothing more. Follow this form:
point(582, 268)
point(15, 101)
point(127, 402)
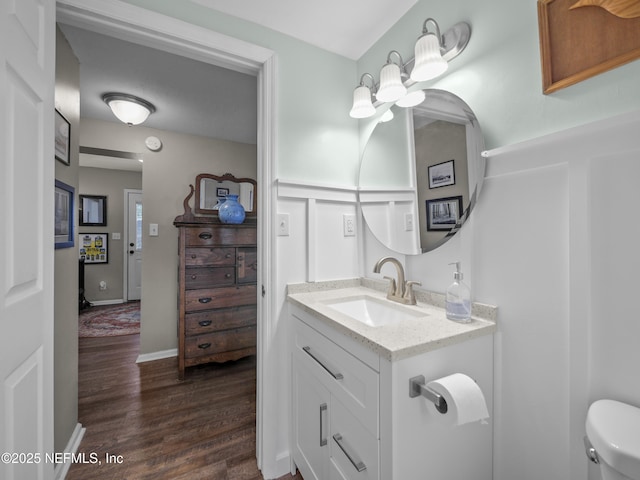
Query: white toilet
point(613, 439)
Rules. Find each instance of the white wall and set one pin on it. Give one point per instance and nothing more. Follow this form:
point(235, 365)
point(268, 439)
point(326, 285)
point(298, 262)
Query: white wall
point(553, 244)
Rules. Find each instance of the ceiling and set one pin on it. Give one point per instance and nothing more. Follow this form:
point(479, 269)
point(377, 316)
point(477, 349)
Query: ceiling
point(202, 99)
point(346, 27)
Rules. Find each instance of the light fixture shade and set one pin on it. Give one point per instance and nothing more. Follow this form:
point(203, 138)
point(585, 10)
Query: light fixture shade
point(128, 109)
point(362, 106)
point(391, 87)
point(412, 99)
point(386, 116)
point(428, 61)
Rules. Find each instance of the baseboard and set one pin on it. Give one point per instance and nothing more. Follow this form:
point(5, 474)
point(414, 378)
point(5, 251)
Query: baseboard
point(106, 302)
point(149, 357)
point(282, 466)
point(62, 469)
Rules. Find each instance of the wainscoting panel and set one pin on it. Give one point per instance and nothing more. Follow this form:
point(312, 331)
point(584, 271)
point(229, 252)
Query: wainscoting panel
point(316, 248)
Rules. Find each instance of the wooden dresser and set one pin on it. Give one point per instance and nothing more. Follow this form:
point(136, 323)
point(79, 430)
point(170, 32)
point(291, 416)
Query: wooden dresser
point(217, 293)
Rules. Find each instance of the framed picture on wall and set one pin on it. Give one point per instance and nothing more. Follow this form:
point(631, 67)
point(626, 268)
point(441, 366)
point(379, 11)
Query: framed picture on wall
point(93, 247)
point(62, 138)
point(63, 203)
point(443, 213)
point(93, 210)
point(442, 174)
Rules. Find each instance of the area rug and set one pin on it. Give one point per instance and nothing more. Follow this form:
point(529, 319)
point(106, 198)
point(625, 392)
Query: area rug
point(109, 320)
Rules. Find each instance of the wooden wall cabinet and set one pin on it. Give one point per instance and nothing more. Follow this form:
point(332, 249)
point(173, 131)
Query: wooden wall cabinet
point(217, 294)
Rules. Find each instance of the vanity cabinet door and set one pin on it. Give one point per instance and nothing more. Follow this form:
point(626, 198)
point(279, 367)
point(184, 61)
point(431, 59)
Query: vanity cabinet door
point(311, 401)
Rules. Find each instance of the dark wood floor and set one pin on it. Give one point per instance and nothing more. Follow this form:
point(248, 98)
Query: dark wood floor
point(153, 426)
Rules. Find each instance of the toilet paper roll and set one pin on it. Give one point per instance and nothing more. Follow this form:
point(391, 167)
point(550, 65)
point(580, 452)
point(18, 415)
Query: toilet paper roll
point(464, 398)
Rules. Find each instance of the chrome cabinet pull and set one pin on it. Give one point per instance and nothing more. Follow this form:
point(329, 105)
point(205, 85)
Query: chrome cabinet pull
point(204, 323)
point(205, 235)
point(353, 458)
point(204, 345)
point(323, 412)
point(204, 300)
point(323, 363)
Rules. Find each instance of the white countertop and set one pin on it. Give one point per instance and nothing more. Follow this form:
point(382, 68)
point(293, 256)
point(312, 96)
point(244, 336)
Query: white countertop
point(407, 338)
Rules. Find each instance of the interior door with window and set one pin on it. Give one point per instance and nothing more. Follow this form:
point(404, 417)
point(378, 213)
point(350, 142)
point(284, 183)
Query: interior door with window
point(27, 78)
point(133, 257)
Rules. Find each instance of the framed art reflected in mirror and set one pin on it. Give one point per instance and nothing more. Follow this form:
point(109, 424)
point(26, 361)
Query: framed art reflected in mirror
point(443, 213)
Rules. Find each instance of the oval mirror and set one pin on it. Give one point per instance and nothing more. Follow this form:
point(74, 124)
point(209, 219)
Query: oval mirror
point(421, 172)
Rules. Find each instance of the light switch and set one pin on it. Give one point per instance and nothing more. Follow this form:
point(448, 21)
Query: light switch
point(283, 224)
point(115, 236)
point(349, 225)
point(408, 222)
point(153, 229)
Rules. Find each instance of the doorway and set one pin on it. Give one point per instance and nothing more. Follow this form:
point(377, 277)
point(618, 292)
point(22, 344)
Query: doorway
point(152, 29)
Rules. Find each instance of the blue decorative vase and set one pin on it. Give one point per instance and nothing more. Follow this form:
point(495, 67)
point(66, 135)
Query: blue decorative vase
point(231, 211)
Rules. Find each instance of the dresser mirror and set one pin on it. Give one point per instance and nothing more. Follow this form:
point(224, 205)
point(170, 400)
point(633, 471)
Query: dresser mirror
point(211, 191)
point(421, 173)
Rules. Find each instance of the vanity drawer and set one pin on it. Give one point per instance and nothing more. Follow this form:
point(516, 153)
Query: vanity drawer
point(210, 298)
point(205, 236)
point(353, 448)
point(210, 256)
point(224, 341)
point(356, 385)
point(203, 277)
point(197, 323)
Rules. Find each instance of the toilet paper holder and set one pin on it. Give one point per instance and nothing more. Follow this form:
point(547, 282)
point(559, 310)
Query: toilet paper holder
point(418, 387)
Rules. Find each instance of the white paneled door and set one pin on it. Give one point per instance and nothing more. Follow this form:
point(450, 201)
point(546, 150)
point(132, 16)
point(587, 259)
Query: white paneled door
point(27, 77)
point(133, 257)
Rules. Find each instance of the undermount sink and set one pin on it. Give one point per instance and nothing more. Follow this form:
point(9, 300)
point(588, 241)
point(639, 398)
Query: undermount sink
point(372, 311)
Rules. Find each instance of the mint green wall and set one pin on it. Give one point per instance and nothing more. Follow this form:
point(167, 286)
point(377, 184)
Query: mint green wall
point(317, 140)
point(499, 74)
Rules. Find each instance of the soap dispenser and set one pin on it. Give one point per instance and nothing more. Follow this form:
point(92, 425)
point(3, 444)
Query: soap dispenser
point(458, 298)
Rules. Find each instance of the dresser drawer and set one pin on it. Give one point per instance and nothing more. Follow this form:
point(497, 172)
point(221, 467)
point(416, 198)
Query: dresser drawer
point(210, 298)
point(205, 236)
point(208, 321)
point(247, 265)
point(357, 383)
point(212, 343)
point(198, 256)
point(203, 277)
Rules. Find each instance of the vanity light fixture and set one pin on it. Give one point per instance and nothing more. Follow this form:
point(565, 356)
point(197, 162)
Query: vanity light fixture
point(428, 60)
point(362, 105)
point(412, 99)
point(433, 51)
point(386, 117)
point(391, 85)
point(127, 108)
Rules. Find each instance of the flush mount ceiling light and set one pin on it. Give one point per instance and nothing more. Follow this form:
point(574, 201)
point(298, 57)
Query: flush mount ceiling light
point(127, 108)
point(432, 54)
point(362, 105)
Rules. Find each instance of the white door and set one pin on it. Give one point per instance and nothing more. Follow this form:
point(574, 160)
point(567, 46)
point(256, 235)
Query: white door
point(27, 78)
point(133, 256)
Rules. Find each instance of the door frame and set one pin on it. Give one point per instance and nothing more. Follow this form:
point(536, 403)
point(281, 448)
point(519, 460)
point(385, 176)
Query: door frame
point(145, 27)
point(125, 240)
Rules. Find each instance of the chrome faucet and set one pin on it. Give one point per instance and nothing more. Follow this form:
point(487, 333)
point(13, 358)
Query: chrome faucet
point(400, 291)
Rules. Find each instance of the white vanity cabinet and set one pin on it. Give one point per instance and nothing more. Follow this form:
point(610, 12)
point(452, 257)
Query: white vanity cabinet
point(346, 392)
point(335, 409)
